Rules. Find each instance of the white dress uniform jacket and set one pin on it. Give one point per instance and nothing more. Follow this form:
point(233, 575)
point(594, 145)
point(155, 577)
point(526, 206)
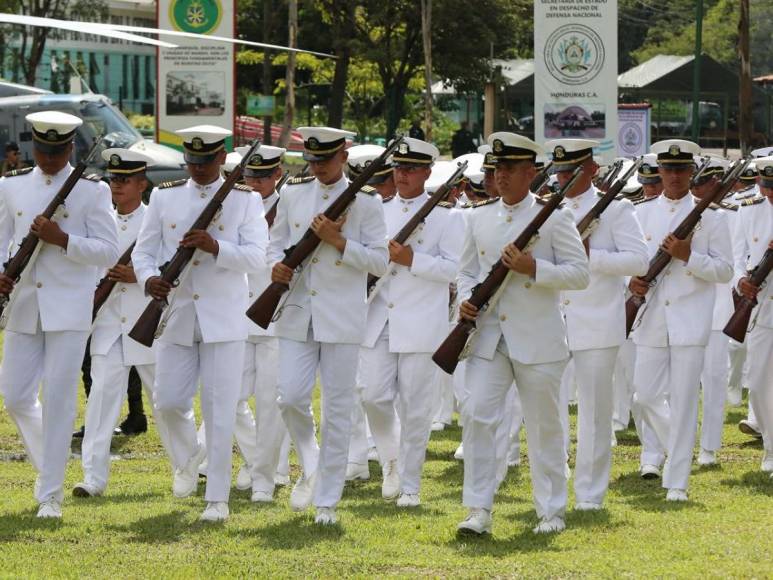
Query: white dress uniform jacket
point(127, 301)
point(754, 230)
point(679, 308)
point(60, 286)
point(415, 300)
point(259, 280)
point(216, 289)
point(332, 285)
point(595, 317)
point(527, 313)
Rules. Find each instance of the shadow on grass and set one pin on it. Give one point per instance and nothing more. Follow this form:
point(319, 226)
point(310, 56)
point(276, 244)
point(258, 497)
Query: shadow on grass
point(160, 529)
point(649, 495)
point(734, 415)
point(756, 481)
point(110, 499)
point(298, 533)
point(16, 525)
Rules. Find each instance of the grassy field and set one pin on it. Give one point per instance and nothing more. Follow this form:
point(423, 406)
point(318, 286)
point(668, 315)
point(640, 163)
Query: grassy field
point(139, 530)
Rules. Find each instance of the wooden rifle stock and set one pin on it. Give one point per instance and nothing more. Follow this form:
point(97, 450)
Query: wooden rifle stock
point(610, 177)
point(598, 208)
point(661, 259)
point(144, 330)
point(261, 312)
point(14, 267)
point(447, 355)
point(405, 232)
point(271, 213)
point(738, 324)
point(105, 285)
point(541, 178)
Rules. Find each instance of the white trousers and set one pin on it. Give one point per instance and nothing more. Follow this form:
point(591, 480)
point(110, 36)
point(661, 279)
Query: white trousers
point(337, 363)
point(566, 394)
point(674, 370)
point(218, 367)
point(399, 399)
point(623, 382)
point(738, 368)
point(716, 368)
point(51, 362)
point(594, 370)
point(358, 439)
point(760, 377)
point(110, 377)
point(444, 397)
point(538, 387)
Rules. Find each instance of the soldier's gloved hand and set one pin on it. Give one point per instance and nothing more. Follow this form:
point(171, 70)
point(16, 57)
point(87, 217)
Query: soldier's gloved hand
point(281, 274)
point(6, 284)
point(157, 287)
point(202, 240)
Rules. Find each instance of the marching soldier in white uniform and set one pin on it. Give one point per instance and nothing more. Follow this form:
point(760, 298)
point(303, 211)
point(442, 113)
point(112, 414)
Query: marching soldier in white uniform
point(672, 329)
point(49, 321)
point(522, 338)
point(753, 236)
point(113, 353)
point(407, 321)
point(203, 341)
point(322, 322)
point(595, 316)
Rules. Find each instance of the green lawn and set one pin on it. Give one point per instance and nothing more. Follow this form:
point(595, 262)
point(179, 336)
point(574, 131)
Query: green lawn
point(139, 530)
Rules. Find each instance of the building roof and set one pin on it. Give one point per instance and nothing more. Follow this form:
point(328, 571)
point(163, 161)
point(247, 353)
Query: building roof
point(654, 69)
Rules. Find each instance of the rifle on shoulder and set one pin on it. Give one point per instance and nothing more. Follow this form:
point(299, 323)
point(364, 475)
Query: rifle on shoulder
point(105, 286)
point(147, 329)
point(541, 178)
point(261, 312)
point(271, 213)
point(738, 324)
point(410, 226)
point(586, 224)
point(28, 248)
point(661, 259)
point(448, 354)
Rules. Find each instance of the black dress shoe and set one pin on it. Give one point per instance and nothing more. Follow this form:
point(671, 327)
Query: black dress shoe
point(133, 425)
point(79, 433)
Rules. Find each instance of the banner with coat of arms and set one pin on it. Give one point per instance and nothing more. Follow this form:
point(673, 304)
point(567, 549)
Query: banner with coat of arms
point(575, 71)
point(195, 80)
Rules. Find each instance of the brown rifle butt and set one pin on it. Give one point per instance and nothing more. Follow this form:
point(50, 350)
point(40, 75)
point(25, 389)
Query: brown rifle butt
point(632, 306)
point(447, 355)
point(262, 310)
point(144, 330)
point(738, 325)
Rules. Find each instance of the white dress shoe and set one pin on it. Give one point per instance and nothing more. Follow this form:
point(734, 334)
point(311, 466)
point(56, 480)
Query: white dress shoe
point(750, 428)
point(767, 462)
point(478, 521)
point(649, 471)
point(676, 495)
point(357, 472)
point(459, 453)
point(281, 479)
point(373, 454)
point(186, 480)
point(438, 426)
point(303, 492)
point(408, 500)
point(587, 506)
point(567, 471)
point(216, 511)
point(550, 526)
point(243, 478)
point(83, 489)
point(514, 461)
point(203, 469)
point(618, 426)
point(390, 487)
point(326, 516)
point(706, 457)
point(50, 509)
point(262, 497)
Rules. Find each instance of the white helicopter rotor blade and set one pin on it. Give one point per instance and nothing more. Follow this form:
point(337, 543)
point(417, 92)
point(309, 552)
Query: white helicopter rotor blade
point(163, 32)
point(82, 27)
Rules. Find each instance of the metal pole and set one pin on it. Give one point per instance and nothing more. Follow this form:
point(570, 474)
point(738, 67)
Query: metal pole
point(696, 80)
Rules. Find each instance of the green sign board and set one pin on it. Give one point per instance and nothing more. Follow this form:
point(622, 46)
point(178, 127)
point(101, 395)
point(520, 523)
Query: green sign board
point(260, 105)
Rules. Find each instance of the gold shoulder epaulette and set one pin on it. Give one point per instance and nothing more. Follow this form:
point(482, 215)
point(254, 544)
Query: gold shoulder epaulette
point(15, 172)
point(299, 180)
point(753, 200)
point(175, 183)
point(465, 206)
point(645, 200)
point(478, 204)
point(728, 206)
point(92, 177)
point(242, 187)
point(368, 190)
point(446, 204)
